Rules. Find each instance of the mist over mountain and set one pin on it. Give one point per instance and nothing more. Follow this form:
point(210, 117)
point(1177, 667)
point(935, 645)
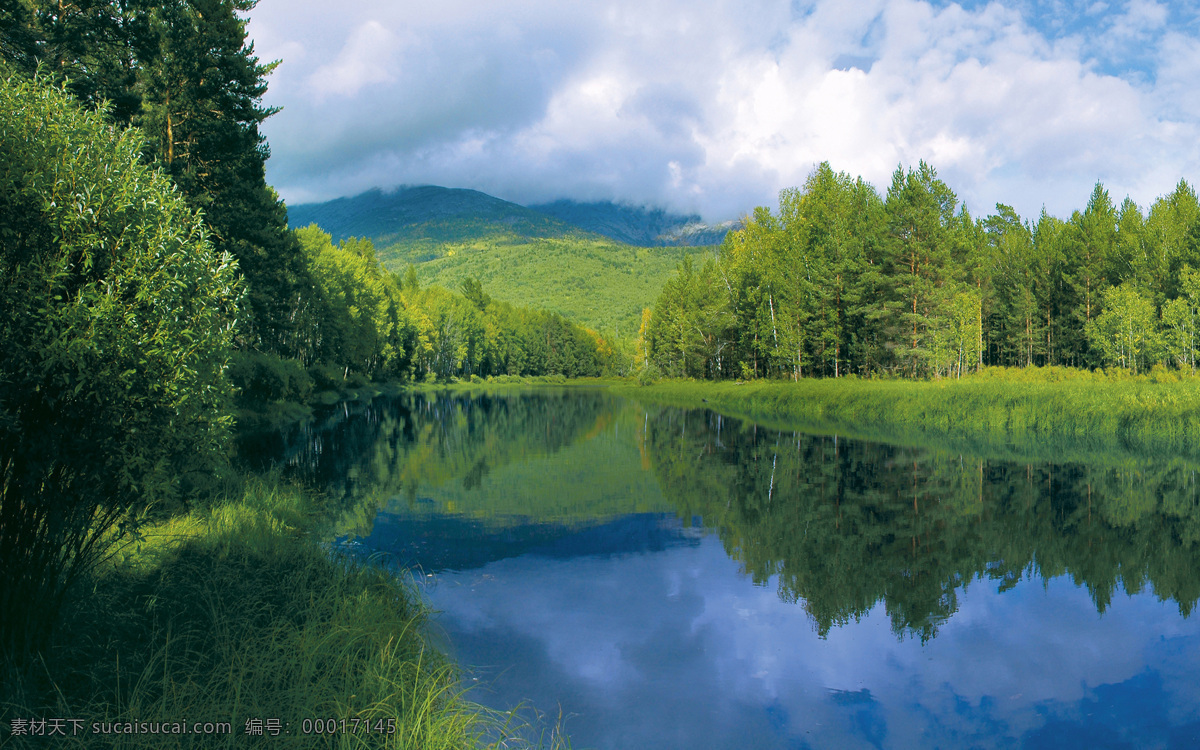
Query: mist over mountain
point(440, 214)
point(424, 212)
point(642, 226)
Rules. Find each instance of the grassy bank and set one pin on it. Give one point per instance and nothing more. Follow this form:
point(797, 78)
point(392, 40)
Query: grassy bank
point(236, 613)
point(1036, 412)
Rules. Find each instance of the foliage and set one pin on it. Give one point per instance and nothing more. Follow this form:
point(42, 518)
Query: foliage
point(260, 378)
point(1051, 412)
point(359, 318)
point(231, 613)
point(118, 319)
point(184, 73)
point(1125, 332)
point(841, 281)
point(473, 334)
point(595, 282)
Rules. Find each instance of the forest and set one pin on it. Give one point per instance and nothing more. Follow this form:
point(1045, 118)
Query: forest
point(842, 281)
point(149, 276)
point(151, 288)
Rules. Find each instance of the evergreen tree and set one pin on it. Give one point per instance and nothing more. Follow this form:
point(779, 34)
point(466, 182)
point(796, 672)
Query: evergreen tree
point(920, 212)
point(1091, 246)
point(184, 73)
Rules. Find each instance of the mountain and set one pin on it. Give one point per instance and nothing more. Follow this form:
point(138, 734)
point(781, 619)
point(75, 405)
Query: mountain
point(646, 227)
point(426, 212)
point(565, 258)
point(436, 213)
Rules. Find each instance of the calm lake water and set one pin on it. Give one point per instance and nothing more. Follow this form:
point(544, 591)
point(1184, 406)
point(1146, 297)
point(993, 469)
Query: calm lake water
point(661, 578)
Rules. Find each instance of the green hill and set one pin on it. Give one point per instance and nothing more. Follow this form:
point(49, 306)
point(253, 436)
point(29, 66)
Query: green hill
point(520, 255)
point(597, 282)
point(427, 213)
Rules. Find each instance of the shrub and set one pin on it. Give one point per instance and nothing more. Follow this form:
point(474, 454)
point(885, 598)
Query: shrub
point(118, 319)
point(262, 378)
point(326, 377)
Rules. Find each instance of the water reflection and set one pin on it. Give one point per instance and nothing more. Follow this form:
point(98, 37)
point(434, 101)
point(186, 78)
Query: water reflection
point(675, 650)
point(673, 578)
point(846, 524)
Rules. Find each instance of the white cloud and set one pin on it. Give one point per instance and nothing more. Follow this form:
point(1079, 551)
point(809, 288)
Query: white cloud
point(716, 106)
point(366, 59)
point(682, 633)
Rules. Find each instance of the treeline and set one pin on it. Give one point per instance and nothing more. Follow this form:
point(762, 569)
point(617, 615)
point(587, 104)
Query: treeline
point(184, 74)
point(364, 322)
point(367, 320)
point(843, 525)
point(144, 261)
point(841, 280)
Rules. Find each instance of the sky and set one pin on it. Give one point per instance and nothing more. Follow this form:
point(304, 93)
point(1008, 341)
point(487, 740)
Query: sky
point(713, 107)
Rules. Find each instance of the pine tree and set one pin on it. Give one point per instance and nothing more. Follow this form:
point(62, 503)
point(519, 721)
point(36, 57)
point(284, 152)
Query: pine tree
point(183, 72)
point(920, 216)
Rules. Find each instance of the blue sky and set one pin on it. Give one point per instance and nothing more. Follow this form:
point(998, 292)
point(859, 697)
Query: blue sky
point(714, 107)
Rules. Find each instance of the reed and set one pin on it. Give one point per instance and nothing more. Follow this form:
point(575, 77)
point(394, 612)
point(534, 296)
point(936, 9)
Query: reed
point(235, 613)
point(1030, 412)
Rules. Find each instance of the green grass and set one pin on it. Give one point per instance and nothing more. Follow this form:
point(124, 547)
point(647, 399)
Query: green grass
point(1032, 412)
point(599, 283)
point(236, 612)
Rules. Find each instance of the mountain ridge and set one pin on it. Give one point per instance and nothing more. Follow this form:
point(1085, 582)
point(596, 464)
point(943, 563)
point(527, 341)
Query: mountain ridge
point(521, 255)
point(440, 214)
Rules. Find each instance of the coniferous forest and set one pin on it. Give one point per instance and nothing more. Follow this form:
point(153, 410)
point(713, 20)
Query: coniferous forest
point(840, 280)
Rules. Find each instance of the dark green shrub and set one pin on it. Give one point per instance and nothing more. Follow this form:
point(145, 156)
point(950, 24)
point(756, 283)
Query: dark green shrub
point(262, 378)
point(114, 338)
point(326, 377)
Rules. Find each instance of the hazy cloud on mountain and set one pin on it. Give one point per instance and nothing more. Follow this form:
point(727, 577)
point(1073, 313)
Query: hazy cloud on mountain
point(715, 106)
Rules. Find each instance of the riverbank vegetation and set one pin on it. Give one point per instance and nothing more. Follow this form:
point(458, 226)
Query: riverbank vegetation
point(231, 613)
point(1041, 413)
point(144, 255)
point(840, 280)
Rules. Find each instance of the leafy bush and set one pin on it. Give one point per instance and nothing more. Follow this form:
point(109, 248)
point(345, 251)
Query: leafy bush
point(326, 377)
point(118, 318)
point(266, 377)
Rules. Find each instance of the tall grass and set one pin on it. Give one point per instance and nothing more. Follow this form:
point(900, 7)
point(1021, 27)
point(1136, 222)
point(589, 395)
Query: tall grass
point(236, 613)
point(1029, 411)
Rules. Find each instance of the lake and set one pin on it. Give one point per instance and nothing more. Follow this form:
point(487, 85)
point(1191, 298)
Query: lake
point(651, 577)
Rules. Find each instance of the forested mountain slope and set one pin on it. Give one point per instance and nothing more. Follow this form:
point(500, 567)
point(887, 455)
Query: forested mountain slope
point(428, 213)
point(520, 256)
point(647, 227)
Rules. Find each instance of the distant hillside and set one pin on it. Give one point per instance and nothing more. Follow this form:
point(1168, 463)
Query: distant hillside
point(439, 214)
point(597, 282)
point(519, 254)
point(436, 214)
point(646, 227)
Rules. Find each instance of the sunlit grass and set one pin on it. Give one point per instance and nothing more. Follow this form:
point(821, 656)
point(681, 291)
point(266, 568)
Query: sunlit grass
point(235, 613)
point(599, 283)
point(1023, 411)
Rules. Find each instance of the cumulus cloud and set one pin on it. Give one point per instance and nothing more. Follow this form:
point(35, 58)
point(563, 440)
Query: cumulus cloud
point(731, 665)
point(717, 106)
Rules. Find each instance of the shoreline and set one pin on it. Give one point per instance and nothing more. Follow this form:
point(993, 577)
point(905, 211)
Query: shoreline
point(1051, 414)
